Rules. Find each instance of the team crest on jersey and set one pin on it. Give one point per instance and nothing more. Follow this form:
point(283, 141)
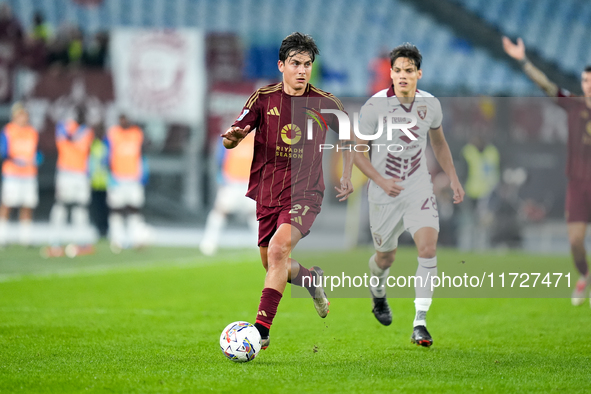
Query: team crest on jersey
point(291, 134)
point(378, 238)
point(422, 111)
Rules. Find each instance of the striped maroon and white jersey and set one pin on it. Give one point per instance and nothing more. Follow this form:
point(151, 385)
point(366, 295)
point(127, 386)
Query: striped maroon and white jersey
point(399, 156)
point(285, 163)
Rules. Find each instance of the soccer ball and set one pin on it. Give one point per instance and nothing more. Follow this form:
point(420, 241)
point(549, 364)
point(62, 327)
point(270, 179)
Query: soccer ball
point(240, 341)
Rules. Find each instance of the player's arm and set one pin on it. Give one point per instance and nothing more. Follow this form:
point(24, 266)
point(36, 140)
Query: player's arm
point(248, 120)
point(367, 125)
point(346, 187)
point(445, 160)
point(517, 52)
point(389, 185)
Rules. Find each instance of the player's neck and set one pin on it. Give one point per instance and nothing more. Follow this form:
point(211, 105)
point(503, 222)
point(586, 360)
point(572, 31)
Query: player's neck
point(293, 92)
point(405, 98)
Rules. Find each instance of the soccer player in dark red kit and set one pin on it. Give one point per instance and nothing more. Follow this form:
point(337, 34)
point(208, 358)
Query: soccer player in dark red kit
point(578, 166)
point(286, 174)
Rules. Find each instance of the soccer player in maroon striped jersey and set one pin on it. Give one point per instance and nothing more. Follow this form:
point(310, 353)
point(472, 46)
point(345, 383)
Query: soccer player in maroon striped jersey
point(578, 166)
point(286, 175)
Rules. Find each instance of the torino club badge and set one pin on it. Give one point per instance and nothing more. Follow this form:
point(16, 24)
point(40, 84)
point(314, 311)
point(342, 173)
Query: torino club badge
point(422, 111)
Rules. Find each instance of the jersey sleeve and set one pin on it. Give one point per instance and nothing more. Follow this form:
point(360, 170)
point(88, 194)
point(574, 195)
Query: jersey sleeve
point(438, 117)
point(250, 115)
point(368, 121)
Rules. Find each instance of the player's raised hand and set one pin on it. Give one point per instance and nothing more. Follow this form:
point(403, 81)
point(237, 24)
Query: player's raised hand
point(391, 186)
point(458, 190)
point(516, 51)
point(345, 189)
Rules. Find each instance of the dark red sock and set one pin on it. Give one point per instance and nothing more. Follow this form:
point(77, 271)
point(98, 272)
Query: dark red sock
point(304, 279)
point(268, 307)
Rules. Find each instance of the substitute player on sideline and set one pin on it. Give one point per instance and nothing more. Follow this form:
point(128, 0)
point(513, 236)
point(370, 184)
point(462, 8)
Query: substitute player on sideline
point(578, 165)
point(280, 188)
point(125, 192)
point(18, 149)
point(400, 189)
point(233, 185)
point(72, 185)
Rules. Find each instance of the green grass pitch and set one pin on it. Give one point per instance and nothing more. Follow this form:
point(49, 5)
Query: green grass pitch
point(150, 321)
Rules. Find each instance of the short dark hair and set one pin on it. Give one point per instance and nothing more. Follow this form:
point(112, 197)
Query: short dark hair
point(587, 69)
point(408, 51)
point(298, 43)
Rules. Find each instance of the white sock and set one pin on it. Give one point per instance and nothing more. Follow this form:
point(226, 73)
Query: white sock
point(3, 231)
point(381, 274)
point(117, 228)
point(57, 217)
point(213, 227)
point(424, 295)
point(135, 223)
point(81, 223)
point(25, 232)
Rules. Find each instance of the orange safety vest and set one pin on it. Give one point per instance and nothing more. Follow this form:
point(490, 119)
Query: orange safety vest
point(125, 152)
point(21, 157)
point(237, 161)
point(72, 153)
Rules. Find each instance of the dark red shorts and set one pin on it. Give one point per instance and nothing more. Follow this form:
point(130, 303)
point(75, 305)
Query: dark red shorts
point(578, 201)
point(300, 215)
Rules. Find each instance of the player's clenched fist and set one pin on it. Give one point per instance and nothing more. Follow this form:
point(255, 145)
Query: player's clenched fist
point(458, 191)
point(234, 135)
point(391, 186)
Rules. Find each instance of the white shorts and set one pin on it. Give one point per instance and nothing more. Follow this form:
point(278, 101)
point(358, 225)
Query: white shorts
point(410, 213)
point(72, 188)
point(231, 198)
point(125, 193)
point(20, 192)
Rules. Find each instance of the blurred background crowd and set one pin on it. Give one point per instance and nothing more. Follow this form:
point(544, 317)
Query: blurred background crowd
point(182, 70)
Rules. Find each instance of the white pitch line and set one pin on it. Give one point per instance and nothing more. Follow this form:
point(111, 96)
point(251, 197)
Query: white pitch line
point(182, 263)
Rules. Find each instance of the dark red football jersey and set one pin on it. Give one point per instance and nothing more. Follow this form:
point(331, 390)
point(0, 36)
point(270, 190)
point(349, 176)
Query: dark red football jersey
point(286, 163)
point(578, 166)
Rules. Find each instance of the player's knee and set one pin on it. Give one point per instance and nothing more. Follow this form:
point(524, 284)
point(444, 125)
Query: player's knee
point(277, 255)
point(427, 251)
point(385, 260)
